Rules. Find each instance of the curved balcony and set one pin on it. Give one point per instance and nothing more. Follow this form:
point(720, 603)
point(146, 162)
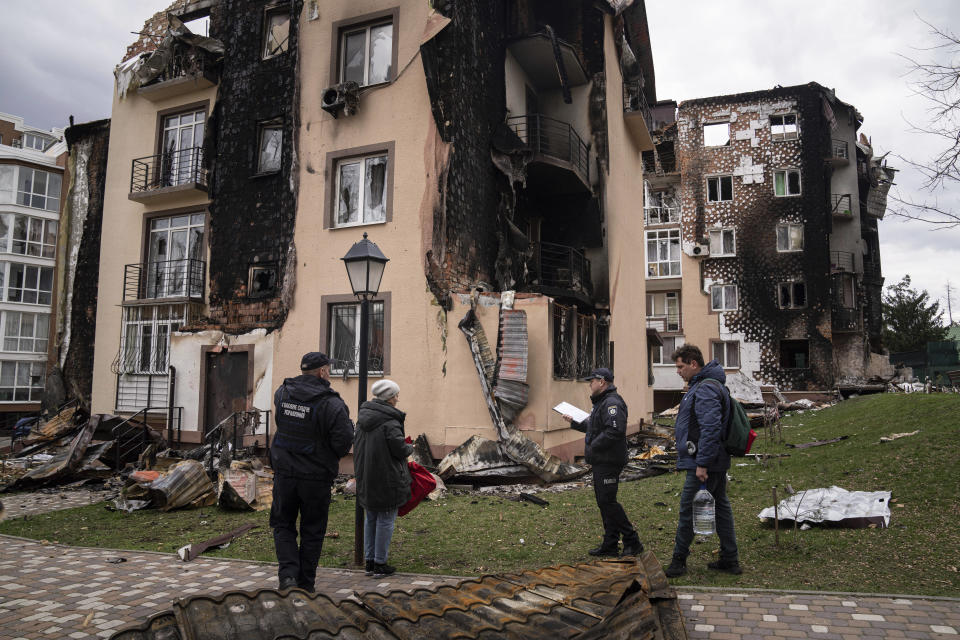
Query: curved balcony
point(557, 148)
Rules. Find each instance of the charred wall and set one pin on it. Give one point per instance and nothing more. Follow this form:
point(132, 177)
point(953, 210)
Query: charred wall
point(754, 212)
point(251, 214)
point(80, 226)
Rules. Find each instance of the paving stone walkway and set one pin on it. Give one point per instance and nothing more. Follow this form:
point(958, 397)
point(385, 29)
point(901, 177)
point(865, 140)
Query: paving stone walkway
point(35, 503)
point(54, 591)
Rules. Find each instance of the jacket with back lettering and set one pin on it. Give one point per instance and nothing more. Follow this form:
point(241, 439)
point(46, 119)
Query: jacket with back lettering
point(314, 429)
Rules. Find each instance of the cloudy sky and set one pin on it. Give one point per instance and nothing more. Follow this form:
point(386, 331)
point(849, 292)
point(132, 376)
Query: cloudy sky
point(58, 59)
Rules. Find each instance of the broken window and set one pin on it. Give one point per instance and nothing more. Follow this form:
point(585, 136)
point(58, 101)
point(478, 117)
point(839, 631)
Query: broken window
point(344, 332)
point(663, 253)
point(786, 182)
point(262, 281)
point(602, 343)
point(794, 354)
point(792, 295)
point(175, 253)
point(661, 354)
point(723, 242)
point(716, 134)
point(366, 53)
point(38, 189)
point(180, 161)
point(663, 311)
point(846, 290)
point(361, 190)
point(25, 332)
point(723, 297)
point(660, 207)
point(30, 236)
point(727, 353)
point(276, 30)
point(145, 342)
point(585, 352)
point(28, 283)
point(21, 381)
point(270, 154)
point(789, 237)
point(563, 330)
point(720, 189)
point(784, 127)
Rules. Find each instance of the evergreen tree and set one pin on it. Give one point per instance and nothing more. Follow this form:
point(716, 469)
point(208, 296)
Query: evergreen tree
point(909, 321)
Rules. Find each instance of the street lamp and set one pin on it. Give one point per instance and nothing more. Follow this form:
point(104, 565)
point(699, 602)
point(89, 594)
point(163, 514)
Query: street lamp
point(365, 264)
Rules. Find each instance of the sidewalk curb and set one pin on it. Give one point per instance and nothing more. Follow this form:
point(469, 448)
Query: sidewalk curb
point(858, 594)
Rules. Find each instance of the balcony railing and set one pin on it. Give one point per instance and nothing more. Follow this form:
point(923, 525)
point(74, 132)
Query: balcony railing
point(553, 138)
point(664, 324)
point(563, 267)
point(841, 261)
point(840, 150)
point(661, 215)
point(166, 279)
point(634, 101)
point(184, 63)
point(169, 169)
point(841, 205)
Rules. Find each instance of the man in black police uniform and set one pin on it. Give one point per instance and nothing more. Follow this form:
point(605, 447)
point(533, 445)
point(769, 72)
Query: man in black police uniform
point(605, 448)
point(313, 432)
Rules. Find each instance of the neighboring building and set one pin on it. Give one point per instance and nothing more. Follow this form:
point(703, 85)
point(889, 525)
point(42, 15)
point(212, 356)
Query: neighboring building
point(486, 146)
point(935, 360)
point(761, 238)
point(31, 175)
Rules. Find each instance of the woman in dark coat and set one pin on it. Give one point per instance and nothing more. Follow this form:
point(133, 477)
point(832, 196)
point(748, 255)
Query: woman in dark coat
point(383, 479)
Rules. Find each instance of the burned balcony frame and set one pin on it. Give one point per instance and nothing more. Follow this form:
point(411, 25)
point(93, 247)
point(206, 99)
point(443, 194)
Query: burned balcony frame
point(562, 271)
point(165, 279)
point(841, 262)
point(553, 141)
point(185, 63)
point(839, 152)
point(166, 172)
point(840, 205)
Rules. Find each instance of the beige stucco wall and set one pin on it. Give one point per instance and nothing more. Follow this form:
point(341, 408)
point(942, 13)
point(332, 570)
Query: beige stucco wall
point(133, 134)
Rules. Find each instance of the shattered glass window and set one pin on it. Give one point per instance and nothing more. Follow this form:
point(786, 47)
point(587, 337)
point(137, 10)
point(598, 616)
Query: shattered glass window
point(784, 127)
point(786, 182)
point(345, 338)
point(271, 146)
point(276, 32)
point(21, 381)
point(369, 204)
point(174, 263)
point(723, 297)
point(366, 54)
point(722, 242)
point(180, 160)
point(792, 295)
point(719, 189)
point(32, 236)
point(789, 237)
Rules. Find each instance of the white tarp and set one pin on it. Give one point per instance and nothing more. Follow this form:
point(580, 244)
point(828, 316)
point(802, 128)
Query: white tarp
point(853, 509)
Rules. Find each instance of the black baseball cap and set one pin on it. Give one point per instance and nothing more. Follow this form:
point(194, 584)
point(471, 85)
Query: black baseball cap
point(600, 374)
point(313, 360)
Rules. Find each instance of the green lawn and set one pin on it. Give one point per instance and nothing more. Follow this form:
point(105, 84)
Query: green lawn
point(469, 535)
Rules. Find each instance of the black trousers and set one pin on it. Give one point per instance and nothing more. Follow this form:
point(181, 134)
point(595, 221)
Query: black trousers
point(311, 500)
point(606, 482)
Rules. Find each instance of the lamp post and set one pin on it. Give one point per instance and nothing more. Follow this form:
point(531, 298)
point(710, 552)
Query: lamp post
point(365, 264)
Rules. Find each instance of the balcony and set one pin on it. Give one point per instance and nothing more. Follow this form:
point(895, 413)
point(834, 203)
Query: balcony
point(557, 148)
point(637, 115)
point(841, 206)
point(548, 61)
point(661, 215)
point(165, 175)
point(169, 279)
point(664, 324)
point(562, 272)
point(188, 69)
point(839, 153)
point(841, 262)
point(845, 319)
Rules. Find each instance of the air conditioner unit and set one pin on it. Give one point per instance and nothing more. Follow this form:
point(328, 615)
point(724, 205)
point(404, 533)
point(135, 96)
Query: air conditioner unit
point(331, 101)
point(344, 96)
point(700, 250)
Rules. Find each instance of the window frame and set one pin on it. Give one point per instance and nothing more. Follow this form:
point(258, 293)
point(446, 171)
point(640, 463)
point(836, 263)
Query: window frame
point(32, 389)
point(342, 27)
point(722, 231)
point(262, 127)
point(651, 311)
point(657, 236)
point(332, 173)
point(30, 195)
point(6, 271)
point(789, 226)
point(268, 12)
point(660, 354)
point(131, 358)
point(327, 303)
point(784, 136)
point(724, 298)
point(19, 337)
point(792, 284)
point(786, 183)
point(726, 344)
point(719, 179)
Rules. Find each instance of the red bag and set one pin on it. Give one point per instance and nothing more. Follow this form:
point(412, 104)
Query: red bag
point(421, 484)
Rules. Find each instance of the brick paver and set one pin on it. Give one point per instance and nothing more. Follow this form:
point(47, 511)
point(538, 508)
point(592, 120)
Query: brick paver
point(34, 503)
point(54, 591)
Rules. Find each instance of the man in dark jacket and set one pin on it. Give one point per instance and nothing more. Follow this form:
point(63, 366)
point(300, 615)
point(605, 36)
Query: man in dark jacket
point(313, 432)
point(699, 432)
point(605, 448)
point(380, 455)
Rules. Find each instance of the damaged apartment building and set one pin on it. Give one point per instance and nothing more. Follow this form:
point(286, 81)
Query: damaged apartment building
point(761, 215)
point(490, 148)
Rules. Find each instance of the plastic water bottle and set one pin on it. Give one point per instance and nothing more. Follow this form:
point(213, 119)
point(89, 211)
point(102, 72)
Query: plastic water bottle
point(704, 513)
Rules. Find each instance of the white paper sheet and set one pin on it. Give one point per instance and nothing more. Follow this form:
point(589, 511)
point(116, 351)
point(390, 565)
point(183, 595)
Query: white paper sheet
point(567, 409)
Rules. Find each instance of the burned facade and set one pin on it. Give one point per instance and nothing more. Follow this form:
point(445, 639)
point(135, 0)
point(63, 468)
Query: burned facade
point(486, 147)
point(759, 220)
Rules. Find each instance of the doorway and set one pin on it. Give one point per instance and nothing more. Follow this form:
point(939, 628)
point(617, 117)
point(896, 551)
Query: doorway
point(226, 383)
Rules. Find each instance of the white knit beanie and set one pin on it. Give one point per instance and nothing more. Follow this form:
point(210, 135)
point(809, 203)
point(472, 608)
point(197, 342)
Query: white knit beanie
point(385, 389)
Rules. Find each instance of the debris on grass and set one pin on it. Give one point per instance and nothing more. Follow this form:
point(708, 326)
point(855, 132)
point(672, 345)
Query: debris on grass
point(190, 551)
point(897, 436)
point(818, 443)
point(833, 506)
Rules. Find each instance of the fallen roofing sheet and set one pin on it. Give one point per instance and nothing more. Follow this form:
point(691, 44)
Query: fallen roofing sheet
point(66, 460)
point(603, 599)
point(835, 506)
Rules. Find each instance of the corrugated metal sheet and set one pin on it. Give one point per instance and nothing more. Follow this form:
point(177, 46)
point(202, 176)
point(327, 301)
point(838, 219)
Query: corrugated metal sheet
point(604, 599)
point(512, 346)
point(58, 425)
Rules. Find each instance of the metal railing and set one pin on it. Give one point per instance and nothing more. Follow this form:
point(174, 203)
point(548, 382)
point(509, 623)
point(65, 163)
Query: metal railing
point(661, 214)
point(841, 261)
point(664, 323)
point(132, 436)
point(231, 430)
point(634, 101)
point(554, 138)
point(840, 150)
point(184, 62)
point(168, 169)
point(164, 279)
point(841, 204)
point(563, 267)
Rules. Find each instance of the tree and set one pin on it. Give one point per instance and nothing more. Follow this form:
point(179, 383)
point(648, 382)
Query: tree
point(937, 81)
point(909, 321)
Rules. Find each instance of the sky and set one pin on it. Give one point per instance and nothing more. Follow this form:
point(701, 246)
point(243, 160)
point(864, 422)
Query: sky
point(58, 59)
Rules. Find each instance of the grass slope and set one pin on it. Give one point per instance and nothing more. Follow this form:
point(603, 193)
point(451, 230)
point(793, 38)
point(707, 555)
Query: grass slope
point(468, 535)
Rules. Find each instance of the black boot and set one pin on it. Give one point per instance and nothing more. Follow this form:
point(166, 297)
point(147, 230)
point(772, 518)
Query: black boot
point(632, 549)
point(605, 551)
point(380, 570)
point(727, 566)
point(368, 568)
point(676, 569)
